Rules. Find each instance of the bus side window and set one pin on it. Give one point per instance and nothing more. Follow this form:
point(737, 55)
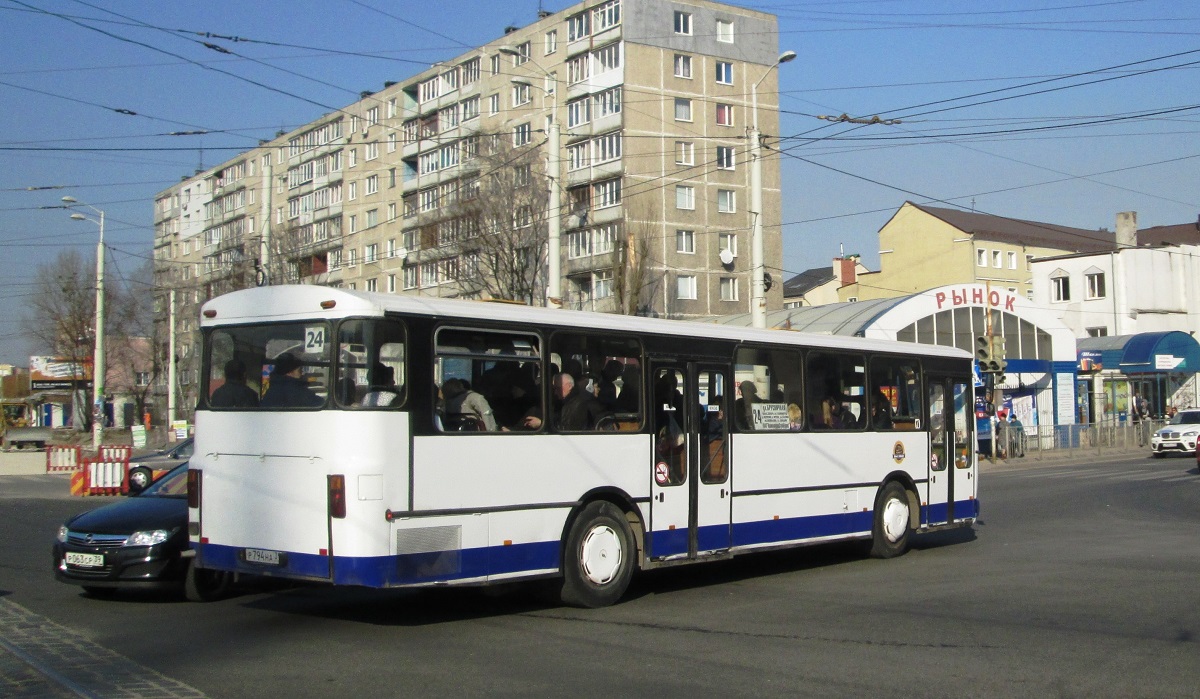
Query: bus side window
point(606, 373)
point(769, 391)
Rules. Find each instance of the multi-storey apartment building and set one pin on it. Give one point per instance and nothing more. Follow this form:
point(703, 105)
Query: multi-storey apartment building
point(445, 184)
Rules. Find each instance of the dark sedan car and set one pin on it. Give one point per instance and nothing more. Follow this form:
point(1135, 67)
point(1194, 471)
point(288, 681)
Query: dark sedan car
point(147, 468)
point(140, 542)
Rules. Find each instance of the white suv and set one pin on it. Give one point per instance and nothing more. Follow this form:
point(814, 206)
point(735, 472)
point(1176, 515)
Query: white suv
point(1179, 434)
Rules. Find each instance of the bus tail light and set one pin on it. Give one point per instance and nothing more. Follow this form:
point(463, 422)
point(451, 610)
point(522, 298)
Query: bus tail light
point(337, 496)
point(193, 486)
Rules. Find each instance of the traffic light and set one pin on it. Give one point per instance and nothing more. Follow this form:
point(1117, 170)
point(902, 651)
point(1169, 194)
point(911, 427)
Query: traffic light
point(983, 352)
point(999, 357)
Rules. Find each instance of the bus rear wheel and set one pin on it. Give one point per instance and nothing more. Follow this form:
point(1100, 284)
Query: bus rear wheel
point(598, 557)
point(200, 585)
point(889, 537)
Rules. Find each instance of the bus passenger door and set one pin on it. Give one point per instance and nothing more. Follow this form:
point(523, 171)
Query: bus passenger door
point(713, 511)
point(939, 495)
point(951, 450)
point(690, 499)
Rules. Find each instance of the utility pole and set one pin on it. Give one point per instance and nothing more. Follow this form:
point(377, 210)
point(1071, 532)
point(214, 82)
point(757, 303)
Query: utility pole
point(758, 290)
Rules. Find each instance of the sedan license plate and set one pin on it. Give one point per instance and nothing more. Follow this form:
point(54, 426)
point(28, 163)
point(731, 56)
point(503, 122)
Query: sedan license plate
point(85, 560)
point(263, 557)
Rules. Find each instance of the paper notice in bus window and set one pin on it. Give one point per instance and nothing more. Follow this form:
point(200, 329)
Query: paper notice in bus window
point(770, 416)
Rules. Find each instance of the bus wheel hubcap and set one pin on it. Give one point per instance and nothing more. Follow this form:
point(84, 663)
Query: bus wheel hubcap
point(600, 555)
point(895, 520)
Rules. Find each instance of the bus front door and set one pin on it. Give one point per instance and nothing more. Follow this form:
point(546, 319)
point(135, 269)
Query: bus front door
point(691, 503)
point(951, 451)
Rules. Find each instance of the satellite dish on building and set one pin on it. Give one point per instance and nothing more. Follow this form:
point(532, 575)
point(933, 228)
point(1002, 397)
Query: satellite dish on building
point(726, 257)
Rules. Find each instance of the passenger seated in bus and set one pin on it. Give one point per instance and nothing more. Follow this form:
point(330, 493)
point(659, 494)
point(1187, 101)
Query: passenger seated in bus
point(580, 409)
point(607, 394)
point(881, 411)
point(383, 391)
point(795, 417)
point(836, 417)
point(629, 399)
point(234, 393)
point(347, 391)
point(287, 389)
point(463, 403)
point(743, 415)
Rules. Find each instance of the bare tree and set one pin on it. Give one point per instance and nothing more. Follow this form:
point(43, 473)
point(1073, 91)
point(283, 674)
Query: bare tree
point(632, 278)
point(131, 339)
point(62, 318)
point(498, 225)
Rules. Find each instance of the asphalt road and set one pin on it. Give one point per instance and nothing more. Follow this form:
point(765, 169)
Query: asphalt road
point(1079, 581)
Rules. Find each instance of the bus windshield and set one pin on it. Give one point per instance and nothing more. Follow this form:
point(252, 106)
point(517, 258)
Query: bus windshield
point(305, 365)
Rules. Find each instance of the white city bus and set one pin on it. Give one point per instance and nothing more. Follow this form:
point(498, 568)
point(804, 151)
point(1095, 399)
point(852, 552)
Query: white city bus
point(390, 441)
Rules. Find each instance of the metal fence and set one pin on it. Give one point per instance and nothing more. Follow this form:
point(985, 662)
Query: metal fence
point(1044, 441)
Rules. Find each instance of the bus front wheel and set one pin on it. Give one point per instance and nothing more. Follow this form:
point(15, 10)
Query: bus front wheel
point(890, 534)
point(598, 557)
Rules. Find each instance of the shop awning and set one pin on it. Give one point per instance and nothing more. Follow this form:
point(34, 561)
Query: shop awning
point(1171, 351)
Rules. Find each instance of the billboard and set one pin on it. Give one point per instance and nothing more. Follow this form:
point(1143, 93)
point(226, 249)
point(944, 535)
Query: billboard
point(58, 374)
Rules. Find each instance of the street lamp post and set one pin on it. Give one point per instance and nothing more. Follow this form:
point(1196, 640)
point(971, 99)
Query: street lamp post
point(758, 292)
point(98, 353)
point(554, 224)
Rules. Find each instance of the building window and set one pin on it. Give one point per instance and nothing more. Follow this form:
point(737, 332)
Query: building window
point(1097, 332)
point(606, 15)
point(520, 95)
point(372, 218)
point(996, 261)
point(683, 109)
point(579, 112)
point(1095, 285)
point(724, 157)
point(1060, 288)
point(1012, 260)
point(685, 287)
point(724, 31)
point(391, 284)
point(685, 197)
point(606, 147)
point(980, 257)
point(577, 156)
point(729, 289)
point(683, 66)
point(724, 72)
point(551, 41)
point(1029, 263)
point(493, 104)
point(577, 26)
point(606, 194)
point(726, 201)
point(372, 184)
point(522, 55)
point(685, 153)
point(683, 23)
point(685, 242)
point(371, 151)
point(522, 135)
point(602, 284)
point(352, 191)
point(371, 253)
point(724, 115)
point(470, 71)
point(728, 241)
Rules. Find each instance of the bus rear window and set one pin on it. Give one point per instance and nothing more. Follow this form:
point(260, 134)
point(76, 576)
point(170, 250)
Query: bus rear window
point(281, 366)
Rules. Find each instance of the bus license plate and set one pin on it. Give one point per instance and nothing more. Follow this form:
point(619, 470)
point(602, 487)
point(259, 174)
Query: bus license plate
point(85, 560)
point(262, 557)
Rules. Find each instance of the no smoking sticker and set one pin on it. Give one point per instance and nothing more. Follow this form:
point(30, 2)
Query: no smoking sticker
point(662, 474)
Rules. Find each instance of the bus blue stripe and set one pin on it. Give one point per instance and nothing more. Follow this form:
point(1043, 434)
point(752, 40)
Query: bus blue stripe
point(446, 566)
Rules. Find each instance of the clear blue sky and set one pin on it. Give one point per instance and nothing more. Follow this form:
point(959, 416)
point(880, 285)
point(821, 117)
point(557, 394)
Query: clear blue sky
point(1057, 150)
